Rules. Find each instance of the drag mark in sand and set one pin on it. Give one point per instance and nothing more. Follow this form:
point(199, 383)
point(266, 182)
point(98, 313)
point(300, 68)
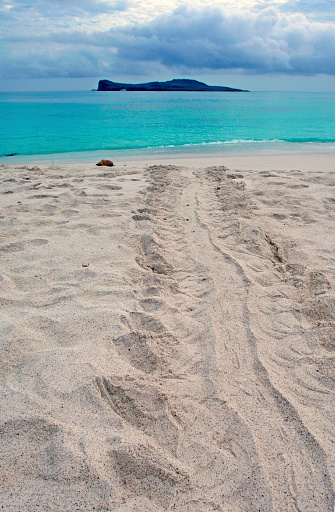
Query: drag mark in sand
point(210, 312)
point(167, 340)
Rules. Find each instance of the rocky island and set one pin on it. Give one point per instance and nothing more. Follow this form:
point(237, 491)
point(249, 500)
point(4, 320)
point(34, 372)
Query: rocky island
point(182, 84)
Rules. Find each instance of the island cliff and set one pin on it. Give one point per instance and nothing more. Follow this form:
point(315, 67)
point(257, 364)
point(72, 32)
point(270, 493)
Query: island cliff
point(171, 85)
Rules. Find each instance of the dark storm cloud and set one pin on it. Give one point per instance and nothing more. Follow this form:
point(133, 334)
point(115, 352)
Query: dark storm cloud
point(187, 40)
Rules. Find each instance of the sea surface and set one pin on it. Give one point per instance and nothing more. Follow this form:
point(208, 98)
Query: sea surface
point(87, 125)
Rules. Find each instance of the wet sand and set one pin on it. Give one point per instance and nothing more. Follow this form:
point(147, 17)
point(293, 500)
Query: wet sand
point(167, 336)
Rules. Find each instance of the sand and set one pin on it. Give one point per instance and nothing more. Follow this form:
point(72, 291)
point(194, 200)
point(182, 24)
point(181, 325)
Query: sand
point(167, 337)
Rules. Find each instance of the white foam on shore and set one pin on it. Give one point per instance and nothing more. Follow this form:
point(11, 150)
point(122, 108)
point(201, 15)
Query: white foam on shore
point(212, 151)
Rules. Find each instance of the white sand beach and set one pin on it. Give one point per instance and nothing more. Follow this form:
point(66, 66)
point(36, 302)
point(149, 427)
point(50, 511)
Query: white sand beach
point(168, 336)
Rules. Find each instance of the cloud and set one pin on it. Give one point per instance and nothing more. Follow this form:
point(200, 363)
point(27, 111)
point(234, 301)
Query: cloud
point(263, 42)
point(189, 40)
point(61, 8)
point(20, 17)
point(48, 64)
point(317, 9)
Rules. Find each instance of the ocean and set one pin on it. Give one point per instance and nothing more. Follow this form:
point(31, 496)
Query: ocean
point(88, 125)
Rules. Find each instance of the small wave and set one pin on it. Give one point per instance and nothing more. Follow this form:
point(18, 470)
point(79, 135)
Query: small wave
point(216, 143)
point(267, 143)
point(247, 141)
point(310, 140)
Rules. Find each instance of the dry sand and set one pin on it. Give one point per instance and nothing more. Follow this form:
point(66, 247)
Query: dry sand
point(167, 339)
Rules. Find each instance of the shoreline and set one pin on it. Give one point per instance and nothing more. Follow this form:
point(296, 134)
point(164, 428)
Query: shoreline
point(306, 162)
point(313, 161)
point(261, 154)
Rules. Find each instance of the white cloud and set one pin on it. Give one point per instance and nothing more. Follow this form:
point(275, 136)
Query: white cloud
point(60, 8)
point(265, 41)
point(317, 9)
point(44, 16)
point(189, 39)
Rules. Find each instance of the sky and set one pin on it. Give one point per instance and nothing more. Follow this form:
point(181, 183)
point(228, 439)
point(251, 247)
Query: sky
point(257, 45)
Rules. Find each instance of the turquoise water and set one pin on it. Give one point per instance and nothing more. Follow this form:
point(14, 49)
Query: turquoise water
point(85, 124)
